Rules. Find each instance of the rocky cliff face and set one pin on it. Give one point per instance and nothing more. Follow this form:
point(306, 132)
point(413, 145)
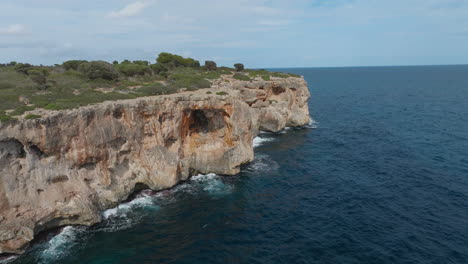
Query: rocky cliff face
point(69, 166)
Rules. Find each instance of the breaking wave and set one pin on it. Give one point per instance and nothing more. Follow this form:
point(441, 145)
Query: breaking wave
point(212, 184)
point(128, 214)
point(262, 163)
point(312, 123)
point(8, 259)
point(260, 140)
point(62, 244)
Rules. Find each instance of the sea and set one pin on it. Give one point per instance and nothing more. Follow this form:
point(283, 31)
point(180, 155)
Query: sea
point(380, 175)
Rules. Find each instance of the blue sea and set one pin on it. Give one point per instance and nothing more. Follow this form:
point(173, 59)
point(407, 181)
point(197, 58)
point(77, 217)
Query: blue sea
point(380, 176)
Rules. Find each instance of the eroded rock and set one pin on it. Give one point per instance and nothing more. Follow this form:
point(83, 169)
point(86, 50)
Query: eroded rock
point(69, 166)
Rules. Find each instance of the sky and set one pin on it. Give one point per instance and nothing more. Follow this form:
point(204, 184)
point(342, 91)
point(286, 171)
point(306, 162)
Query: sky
point(258, 33)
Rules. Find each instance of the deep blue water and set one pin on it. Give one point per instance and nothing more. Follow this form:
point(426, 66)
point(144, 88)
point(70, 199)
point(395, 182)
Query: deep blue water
point(383, 178)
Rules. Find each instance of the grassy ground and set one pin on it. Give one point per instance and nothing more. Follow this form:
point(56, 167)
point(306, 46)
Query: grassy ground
point(61, 87)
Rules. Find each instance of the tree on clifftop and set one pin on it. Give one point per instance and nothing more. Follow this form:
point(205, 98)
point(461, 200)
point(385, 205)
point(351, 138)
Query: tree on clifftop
point(211, 66)
point(39, 76)
point(239, 67)
point(99, 69)
point(73, 64)
point(172, 61)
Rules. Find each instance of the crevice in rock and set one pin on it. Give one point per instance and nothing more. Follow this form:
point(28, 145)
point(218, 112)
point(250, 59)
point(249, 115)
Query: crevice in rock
point(164, 117)
point(169, 141)
point(278, 89)
point(12, 147)
point(57, 179)
point(35, 150)
point(117, 143)
point(87, 166)
point(118, 113)
point(88, 116)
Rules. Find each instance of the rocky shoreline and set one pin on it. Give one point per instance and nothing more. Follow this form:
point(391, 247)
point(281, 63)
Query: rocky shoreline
point(69, 166)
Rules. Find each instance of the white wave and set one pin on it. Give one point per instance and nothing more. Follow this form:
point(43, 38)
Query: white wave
point(212, 184)
point(184, 187)
point(312, 123)
point(8, 259)
point(61, 245)
point(258, 141)
point(126, 215)
point(124, 208)
point(262, 163)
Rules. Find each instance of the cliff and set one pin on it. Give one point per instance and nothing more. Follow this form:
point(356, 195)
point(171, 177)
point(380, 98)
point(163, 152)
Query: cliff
point(69, 166)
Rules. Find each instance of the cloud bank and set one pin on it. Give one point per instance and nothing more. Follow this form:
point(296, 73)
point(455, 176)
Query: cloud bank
point(260, 33)
point(12, 29)
point(130, 10)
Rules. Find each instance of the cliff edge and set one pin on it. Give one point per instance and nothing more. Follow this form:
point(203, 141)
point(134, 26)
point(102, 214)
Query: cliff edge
point(68, 166)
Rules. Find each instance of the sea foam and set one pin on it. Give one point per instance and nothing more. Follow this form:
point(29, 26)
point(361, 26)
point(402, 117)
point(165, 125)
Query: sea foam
point(61, 245)
point(212, 184)
point(258, 141)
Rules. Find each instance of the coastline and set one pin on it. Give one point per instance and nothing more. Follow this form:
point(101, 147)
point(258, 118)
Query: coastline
point(223, 124)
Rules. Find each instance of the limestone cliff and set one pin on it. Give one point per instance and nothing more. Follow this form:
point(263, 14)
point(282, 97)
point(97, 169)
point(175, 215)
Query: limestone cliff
point(69, 166)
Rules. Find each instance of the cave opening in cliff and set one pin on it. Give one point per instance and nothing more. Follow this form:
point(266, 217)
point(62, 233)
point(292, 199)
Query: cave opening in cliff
point(199, 122)
point(13, 148)
point(205, 121)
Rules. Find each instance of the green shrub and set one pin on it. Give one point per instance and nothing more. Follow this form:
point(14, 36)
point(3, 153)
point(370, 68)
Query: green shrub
point(141, 62)
point(210, 75)
point(73, 64)
point(32, 116)
point(132, 69)
point(69, 101)
point(265, 75)
point(209, 92)
point(39, 77)
point(239, 67)
point(210, 66)
point(5, 118)
point(52, 107)
point(242, 77)
point(154, 89)
point(173, 61)
point(158, 68)
point(99, 70)
point(21, 109)
point(224, 70)
point(22, 67)
point(279, 74)
point(128, 83)
point(189, 81)
point(221, 93)
point(294, 75)
point(6, 85)
point(101, 83)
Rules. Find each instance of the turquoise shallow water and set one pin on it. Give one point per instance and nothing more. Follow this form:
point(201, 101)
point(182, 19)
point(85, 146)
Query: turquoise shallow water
point(381, 177)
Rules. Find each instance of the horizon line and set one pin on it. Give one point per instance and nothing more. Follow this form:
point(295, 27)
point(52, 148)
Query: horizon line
point(366, 66)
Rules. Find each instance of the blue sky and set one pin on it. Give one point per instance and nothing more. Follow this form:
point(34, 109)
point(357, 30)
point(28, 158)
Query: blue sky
point(259, 33)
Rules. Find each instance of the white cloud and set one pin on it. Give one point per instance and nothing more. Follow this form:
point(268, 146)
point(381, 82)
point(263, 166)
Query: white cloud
point(12, 29)
point(129, 10)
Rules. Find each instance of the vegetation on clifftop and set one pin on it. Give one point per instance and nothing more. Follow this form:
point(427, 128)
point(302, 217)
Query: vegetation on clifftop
point(25, 87)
